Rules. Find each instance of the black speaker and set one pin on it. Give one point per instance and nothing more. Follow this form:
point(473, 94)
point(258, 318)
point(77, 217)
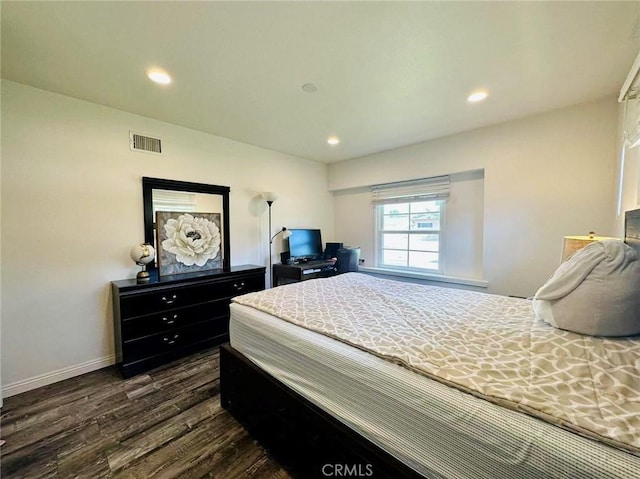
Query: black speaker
point(284, 257)
point(331, 250)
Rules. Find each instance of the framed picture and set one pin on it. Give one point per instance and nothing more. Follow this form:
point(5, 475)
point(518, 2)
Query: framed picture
point(188, 242)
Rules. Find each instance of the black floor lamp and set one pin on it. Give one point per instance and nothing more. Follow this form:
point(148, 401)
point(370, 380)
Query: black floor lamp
point(270, 197)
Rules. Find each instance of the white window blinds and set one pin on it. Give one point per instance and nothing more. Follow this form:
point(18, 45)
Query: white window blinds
point(164, 200)
point(436, 188)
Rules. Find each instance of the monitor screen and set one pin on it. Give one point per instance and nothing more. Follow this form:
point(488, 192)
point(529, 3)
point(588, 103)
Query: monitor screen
point(305, 244)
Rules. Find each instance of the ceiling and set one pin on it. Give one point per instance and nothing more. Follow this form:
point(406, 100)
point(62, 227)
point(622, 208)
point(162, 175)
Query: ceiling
point(388, 73)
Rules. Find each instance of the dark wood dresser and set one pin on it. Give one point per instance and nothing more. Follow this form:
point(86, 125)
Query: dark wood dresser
point(176, 315)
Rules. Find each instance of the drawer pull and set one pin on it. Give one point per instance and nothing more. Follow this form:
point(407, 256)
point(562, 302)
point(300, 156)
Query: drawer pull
point(171, 340)
point(170, 300)
point(170, 320)
point(239, 287)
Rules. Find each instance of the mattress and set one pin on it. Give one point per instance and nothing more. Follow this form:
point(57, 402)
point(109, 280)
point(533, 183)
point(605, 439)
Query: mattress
point(437, 430)
point(488, 345)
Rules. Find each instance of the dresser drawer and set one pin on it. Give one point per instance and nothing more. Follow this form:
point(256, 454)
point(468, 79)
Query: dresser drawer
point(147, 303)
point(163, 300)
point(242, 285)
point(174, 318)
point(174, 339)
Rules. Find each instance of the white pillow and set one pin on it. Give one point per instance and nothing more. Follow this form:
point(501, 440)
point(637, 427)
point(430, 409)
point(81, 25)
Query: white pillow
point(595, 292)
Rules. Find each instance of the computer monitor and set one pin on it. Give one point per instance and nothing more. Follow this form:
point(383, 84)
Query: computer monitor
point(305, 245)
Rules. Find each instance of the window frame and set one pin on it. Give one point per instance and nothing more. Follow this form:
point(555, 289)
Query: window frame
point(378, 235)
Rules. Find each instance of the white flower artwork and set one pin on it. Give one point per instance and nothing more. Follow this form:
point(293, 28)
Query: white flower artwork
point(188, 241)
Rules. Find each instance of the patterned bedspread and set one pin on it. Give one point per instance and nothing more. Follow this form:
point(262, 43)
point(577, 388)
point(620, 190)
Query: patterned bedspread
point(487, 345)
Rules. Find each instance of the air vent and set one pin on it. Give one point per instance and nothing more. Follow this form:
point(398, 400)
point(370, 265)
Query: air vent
point(139, 142)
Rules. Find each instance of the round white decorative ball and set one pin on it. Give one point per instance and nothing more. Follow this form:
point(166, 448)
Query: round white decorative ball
point(142, 253)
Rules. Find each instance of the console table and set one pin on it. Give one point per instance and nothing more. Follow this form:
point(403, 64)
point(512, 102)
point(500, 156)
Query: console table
point(301, 272)
point(173, 316)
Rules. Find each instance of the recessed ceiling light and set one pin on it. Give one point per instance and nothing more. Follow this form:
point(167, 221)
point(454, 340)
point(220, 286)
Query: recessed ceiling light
point(159, 76)
point(309, 88)
point(333, 140)
point(477, 96)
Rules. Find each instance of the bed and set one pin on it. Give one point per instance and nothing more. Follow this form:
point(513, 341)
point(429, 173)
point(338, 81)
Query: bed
point(330, 401)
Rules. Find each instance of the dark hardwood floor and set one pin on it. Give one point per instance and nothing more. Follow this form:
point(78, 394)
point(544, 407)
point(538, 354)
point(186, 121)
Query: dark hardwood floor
point(167, 423)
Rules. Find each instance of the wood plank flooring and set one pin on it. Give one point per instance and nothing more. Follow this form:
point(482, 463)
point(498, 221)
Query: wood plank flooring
point(164, 424)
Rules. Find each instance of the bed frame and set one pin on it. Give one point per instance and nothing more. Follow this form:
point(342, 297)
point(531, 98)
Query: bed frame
point(306, 440)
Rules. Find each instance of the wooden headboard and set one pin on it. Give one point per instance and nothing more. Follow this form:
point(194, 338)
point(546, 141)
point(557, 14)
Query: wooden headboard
point(632, 229)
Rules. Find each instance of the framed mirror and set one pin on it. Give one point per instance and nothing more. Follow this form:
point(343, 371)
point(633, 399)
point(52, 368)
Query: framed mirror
point(187, 224)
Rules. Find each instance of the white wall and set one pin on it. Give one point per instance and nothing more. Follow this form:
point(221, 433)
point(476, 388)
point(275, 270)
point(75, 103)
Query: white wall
point(546, 176)
point(72, 208)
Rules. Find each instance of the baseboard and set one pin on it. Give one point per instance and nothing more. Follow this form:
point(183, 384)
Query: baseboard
point(35, 382)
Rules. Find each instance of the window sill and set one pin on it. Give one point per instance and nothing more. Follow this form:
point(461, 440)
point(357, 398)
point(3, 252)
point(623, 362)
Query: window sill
point(426, 276)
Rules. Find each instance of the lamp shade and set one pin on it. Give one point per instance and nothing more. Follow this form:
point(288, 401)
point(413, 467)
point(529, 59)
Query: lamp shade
point(574, 243)
point(269, 196)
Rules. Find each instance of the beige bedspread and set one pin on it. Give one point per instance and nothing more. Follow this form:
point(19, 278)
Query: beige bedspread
point(491, 346)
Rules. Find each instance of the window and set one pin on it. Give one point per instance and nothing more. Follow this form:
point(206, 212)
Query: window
point(409, 235)
point(409, 223)
point(165, 200)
